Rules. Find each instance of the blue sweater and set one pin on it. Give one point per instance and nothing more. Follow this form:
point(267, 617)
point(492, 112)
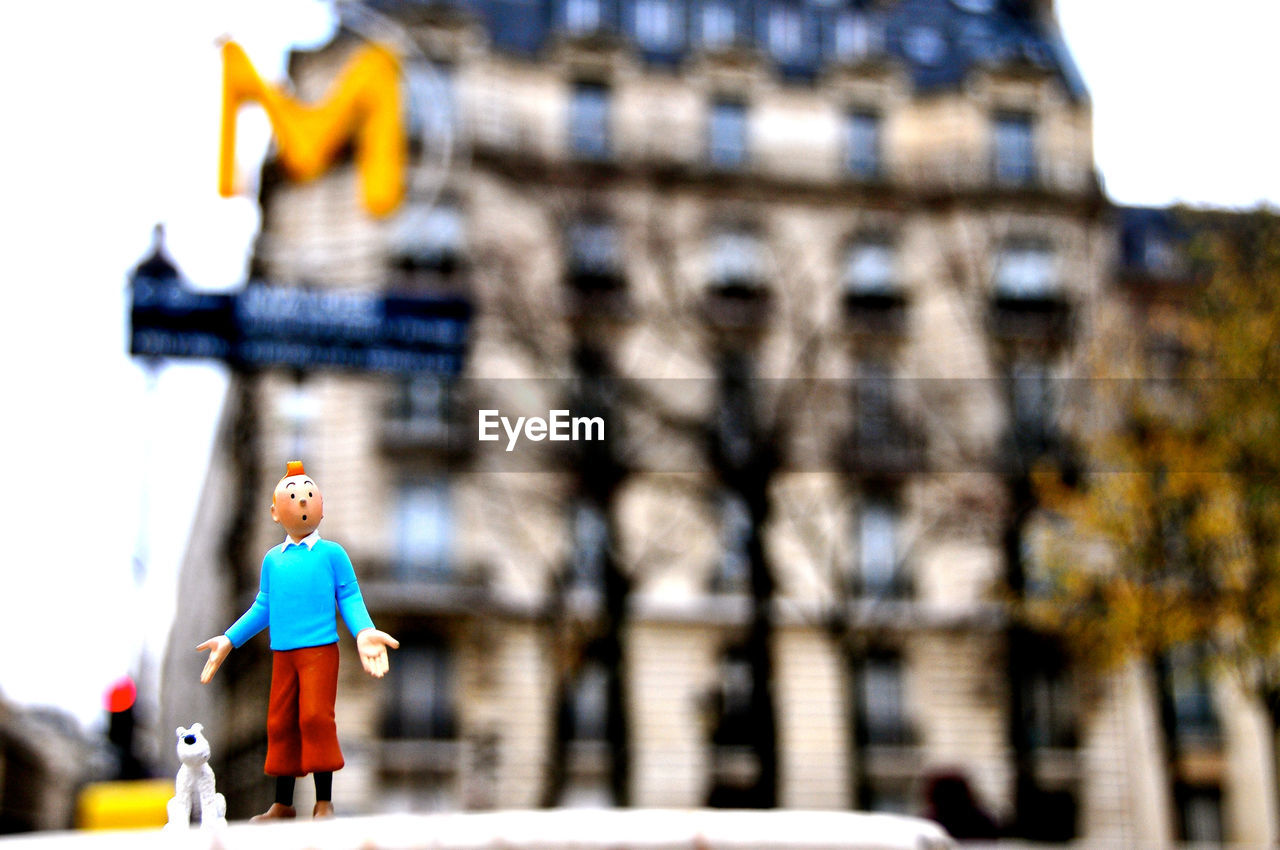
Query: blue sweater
point(300, 588)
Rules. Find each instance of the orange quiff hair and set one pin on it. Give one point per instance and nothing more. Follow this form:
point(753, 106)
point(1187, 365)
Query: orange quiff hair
point(292, 468)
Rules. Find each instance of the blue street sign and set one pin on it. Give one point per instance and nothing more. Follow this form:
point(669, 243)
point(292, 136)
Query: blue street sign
point(266, 326)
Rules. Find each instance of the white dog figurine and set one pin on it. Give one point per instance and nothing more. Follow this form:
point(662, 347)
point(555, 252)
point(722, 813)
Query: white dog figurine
point(194, 785)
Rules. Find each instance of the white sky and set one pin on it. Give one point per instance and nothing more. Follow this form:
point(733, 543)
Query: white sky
point(113, 127)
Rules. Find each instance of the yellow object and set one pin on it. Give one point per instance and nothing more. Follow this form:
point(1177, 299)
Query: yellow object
point(137, 804)
point(364, 102)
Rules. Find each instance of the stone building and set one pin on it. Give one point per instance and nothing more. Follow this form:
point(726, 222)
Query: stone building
point(820, 269)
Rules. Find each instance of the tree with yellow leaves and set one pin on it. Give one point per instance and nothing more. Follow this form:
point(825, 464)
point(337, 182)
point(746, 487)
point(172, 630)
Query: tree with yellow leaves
point(1172, 535)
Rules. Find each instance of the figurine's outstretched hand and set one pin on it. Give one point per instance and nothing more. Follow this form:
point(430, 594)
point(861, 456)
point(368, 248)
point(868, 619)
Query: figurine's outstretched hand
point(372, 645)
point(221, 646)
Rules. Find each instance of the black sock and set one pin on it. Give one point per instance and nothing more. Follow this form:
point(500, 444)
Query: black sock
point(284, 790)
point(324, 786)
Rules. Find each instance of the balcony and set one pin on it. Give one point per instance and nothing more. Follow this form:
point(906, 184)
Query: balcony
point(879, 314)
point(675, 144)
point(736, 304)
point(423, 415)
point(884, 448)
point(1041, 319)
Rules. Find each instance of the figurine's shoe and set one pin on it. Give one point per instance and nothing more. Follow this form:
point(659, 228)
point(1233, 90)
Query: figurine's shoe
point(278, 811)
point(323, 810)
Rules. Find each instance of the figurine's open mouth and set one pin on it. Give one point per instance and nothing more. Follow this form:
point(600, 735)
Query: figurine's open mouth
point(304, 517)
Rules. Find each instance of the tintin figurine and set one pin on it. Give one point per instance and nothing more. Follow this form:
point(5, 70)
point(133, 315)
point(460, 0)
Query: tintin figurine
point(303, 579)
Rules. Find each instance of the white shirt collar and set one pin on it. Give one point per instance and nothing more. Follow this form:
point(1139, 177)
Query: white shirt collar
point(309, 541)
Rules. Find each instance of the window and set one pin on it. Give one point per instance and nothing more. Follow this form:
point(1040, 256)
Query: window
point(595, 262)
point(736, 259)
point(878, 573)
point(1015, 159)
point(424, 404)
point(1034, 404)
point(428, 237)
point(658, 24)
point(1026, 269)
point(733, 572)
point(582, 16)
point(785, 34)
point(719, 24)
point(1049, 698)
point(420, 697)
point(589, 121)
point(880, 702)
point(874, 405)
point(862, 144)
point(870, 268)
point(588, 705)
point(1195, 717)
point(431, 107)
point(854, 38)
point(590, 537)
point(424, 531)
point(733, 698)
point(727, 135)
point(1200, 813)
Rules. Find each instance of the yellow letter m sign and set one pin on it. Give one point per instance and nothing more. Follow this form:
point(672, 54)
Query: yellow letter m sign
point(363, 102)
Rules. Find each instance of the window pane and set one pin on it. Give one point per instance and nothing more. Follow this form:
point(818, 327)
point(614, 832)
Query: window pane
point(862, 144)
point(1014, 151)
point(589, 120)
point(874, 403)
point(590, 537)
point(785, 34)
point(734, 571)
point(428, 235)
point(877, 548)
point(582, 16)
point(854, 38)
point(431, 110)
point(421, 696)
point(589, 704)
point(425, 529)
point(728, 135)
point(869, 268)
point(719, 25)
point(735, 258)
point(658, 24)
point(593, 247)
point(1033, 402)
point(882, 702)
point(1026, 270)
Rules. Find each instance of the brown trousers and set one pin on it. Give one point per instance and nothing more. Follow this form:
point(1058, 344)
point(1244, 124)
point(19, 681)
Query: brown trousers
point(302, 736)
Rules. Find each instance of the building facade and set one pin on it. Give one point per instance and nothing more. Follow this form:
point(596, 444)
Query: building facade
point(823, 271)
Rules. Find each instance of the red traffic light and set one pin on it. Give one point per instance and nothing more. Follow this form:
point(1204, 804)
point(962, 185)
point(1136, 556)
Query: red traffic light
point(121, 695)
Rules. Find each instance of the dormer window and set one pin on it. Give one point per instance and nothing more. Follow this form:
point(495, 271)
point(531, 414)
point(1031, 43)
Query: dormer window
point(719, 25)
point(658, 25)
point(582, 16)
point(854, 38)
point(785, 34)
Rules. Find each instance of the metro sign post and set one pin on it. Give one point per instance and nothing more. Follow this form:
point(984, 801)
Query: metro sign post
point(264, 326)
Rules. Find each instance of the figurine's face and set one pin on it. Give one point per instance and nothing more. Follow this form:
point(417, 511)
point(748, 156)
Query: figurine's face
point(297, 505)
